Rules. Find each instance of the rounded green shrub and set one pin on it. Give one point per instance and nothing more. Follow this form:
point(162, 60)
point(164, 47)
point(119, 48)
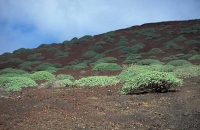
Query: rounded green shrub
point(150, 81)
point(89, 54)
point(61, 54)
point(127, 61)
point(95, 47)
point(195, 57)
point(97, 57)
point(45, 65)
point(107, 66)
point(22, 50)
point(192, 42)
point(179, 62)
point(80, 66)
point(172, 57)
point(64, 76)
point(187, 71)
point(51, 69)
point(15, 60)
point(16, 83)
point(131, 71)
point(5, 54)
point(100, 43)
point(155, 51)
point(34, 56)
point(149, 62)
point(161, 68)
point(12, 71)
point(42, 75)
point(106, 60)
point(29, 63)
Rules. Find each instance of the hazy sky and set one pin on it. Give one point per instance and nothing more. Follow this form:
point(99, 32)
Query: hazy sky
point(29, 23)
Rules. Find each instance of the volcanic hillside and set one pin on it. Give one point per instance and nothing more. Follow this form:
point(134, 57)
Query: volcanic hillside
point(164, 41)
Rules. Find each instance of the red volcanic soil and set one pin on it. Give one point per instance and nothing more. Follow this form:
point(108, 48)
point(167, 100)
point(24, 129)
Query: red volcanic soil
point(103, 108)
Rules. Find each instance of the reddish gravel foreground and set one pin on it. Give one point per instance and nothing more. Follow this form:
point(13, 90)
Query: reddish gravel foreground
point(101, 108)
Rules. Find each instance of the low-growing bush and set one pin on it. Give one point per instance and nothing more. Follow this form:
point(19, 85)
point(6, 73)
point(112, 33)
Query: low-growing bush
point(179, 38)
point(5, 54)
point(195, 57)
point(74, 62)
point(12, 71)
point(149, 62)
point(52, 49)
point(190, 30)
point(131, 71)
point(106, 60)
point(179, 62)
point(15, 75)
point(15, 60)
point(16, 83)
point(133, 41)
point(95, 47)
point(80, 66)
point(155, 51)
point(96, 80)
point(89, 54)
point(133, 56)
point(61, 54)
point(150, 81)
point(51, 69)
point(100, 43)
point(152, 57)
point(44, 46)
point(22, 50)
point(192, 42)
point(128, 50)
point(170, 44)
point(107, 66)
point(187, 71)
point(34, 56)
point(29, 63)
point(109, 51)
point(85, 38)
point(146, 32)
point(161, 68)
point(67, 67)
point(64, 76)
point(130, 61)
point(97, 57)
point(42, 75)
point(172, 57)
point(121, 43)
point(41, 58)
point(193, 52)
point(45, 65)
